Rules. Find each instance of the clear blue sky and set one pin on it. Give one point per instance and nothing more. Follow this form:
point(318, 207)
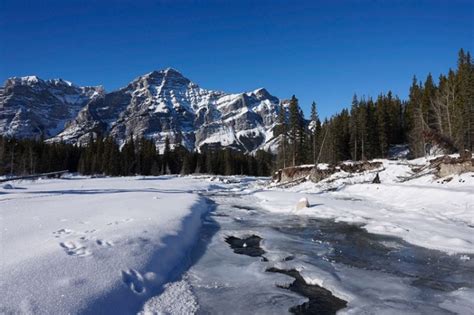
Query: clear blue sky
point(318, 50)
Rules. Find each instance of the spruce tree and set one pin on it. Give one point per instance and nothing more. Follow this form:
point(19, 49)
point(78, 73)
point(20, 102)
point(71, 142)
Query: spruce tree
point(282, 132)
point(354, 126)
point(314, 131)
point(294, 130)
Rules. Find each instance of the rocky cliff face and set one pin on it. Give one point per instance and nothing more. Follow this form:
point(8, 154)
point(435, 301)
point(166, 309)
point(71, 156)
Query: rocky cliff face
point(31, 107)
point(157, 105)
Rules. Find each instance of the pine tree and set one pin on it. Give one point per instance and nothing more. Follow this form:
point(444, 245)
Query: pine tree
point(415, 120)
point(187, 166)
point(354, 125)
point(294, 130)
point(362, 120)
point(166, 161)
point(464, 102)
point(315, 130)
point(282, 131)
point(129, 160)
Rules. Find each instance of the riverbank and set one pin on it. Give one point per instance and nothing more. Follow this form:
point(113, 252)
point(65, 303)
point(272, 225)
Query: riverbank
point(436, 213)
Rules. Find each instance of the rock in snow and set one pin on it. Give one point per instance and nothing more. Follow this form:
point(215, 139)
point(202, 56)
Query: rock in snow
point(156, 105)
point(302, 203)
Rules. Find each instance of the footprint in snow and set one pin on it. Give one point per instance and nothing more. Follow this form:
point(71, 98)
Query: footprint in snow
point(134, 280)
point(75, 249)
point(120, 222)
point(104, 243)
point(61, 232)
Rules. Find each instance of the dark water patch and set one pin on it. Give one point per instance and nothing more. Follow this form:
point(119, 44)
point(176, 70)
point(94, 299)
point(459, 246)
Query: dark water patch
point(321, 301)
point(243, 207)
point(352, 245)
point(219, 215)
point(249, 246)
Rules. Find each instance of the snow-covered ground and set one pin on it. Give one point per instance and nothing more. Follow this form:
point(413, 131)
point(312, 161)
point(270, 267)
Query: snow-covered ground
point(425, 211)
point(128, 245)
point(94, 245)
point(375, 274)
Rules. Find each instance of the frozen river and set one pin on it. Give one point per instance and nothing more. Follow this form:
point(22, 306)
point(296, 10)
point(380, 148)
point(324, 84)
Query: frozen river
point(372, 273)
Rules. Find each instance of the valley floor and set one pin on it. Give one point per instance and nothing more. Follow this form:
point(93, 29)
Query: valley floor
point(157, 244)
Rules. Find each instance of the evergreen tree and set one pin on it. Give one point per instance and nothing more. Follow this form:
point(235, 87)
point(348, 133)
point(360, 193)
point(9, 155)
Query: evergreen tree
point(295, 131)
point(314, 132)
point(281, 130)
point(354, 126)
point(166, 161)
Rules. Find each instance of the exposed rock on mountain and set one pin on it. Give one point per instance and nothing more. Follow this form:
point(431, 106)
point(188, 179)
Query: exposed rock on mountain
point(157, 105)
point(31, 107)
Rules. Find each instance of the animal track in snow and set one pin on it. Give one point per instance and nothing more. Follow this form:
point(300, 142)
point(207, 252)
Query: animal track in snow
point(134, 280)
point(75, 249)
point(120, 222)
point(62, 232)
point(104, 243)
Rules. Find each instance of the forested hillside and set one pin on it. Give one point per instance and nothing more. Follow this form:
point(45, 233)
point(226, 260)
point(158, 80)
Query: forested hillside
point(436, 114)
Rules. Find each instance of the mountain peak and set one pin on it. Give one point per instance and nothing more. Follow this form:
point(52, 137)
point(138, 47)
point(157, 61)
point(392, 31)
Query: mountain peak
point(26, 80)
point(31, 78)
point(168, 77)
point(261, 91)
point(173, 71)
point(164, 73)
point(61, 82)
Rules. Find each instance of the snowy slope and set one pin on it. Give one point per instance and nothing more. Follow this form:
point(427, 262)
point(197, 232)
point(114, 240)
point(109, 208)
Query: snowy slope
point(94, 245)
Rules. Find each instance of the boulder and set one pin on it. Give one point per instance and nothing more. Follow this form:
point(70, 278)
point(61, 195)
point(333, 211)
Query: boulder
point(294, 172)
point(447, 169)
point(302, 203)
point(447, 165)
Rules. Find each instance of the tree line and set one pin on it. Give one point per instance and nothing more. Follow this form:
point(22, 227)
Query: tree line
point(440, 114)
point(136, 156)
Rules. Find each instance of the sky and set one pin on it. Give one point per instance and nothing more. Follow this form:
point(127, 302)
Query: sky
point(318, 50)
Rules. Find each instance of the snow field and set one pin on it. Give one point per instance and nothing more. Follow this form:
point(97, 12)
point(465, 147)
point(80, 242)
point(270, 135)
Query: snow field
point(94, 245)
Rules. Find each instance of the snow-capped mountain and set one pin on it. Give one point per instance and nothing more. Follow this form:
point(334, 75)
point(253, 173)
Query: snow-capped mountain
point(31, 107)
point(157, 105)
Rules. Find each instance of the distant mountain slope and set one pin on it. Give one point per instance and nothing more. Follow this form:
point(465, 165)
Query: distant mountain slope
point(31, 107)
point(157, 105)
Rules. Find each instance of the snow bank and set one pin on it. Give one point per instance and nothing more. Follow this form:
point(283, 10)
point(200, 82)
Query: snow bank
point(177, 298)
point(429, 212)
point(94, 245)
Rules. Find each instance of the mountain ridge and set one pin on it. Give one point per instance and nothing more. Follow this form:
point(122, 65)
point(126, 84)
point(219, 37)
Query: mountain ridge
point(157, 105)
